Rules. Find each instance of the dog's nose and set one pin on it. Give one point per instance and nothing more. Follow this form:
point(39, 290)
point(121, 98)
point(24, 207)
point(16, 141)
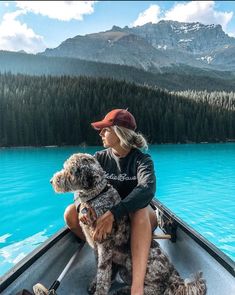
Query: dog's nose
point(51, 181)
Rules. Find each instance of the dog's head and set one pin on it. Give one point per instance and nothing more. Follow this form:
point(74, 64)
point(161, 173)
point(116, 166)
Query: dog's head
point(81, 172)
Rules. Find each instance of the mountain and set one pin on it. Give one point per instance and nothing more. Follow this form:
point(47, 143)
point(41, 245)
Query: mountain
point(223, 58)
point(113, 46)
point(21, 51)
point(153, 46)
point(194, 38)
point(173, 78)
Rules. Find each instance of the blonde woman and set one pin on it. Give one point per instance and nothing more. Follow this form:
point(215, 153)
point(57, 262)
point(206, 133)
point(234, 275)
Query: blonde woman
point(131, 172)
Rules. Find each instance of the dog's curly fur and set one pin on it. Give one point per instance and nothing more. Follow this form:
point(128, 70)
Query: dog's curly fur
point(83, 174)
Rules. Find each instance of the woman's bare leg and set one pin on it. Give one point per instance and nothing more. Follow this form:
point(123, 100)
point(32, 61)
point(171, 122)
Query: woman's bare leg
point(143, 222)
point(71, 219)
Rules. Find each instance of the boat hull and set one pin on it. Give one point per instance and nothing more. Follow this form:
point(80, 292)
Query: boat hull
point(190, 253)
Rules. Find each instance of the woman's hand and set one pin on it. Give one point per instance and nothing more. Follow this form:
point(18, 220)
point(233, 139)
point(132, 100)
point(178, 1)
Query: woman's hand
point(104, 225)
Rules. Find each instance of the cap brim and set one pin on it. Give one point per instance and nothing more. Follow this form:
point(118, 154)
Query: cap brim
point(101, 124)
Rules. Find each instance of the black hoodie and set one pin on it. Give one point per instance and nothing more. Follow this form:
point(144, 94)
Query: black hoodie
point(132, 176)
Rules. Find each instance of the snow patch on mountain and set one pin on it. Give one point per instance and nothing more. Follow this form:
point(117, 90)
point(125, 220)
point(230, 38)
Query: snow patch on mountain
point(207, 58)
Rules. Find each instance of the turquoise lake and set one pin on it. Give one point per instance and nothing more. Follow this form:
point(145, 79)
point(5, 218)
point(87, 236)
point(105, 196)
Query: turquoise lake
point(195, 181)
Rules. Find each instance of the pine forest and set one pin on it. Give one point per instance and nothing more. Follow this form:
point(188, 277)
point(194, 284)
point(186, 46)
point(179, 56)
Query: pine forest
point(47, 110)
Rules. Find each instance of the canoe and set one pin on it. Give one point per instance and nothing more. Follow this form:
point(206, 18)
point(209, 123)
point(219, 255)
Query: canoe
point(187, 249)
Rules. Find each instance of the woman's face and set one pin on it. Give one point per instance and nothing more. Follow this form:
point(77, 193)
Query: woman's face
point(109, 137)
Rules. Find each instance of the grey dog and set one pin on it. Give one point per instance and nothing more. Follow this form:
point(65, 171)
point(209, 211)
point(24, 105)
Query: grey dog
point(83, 174)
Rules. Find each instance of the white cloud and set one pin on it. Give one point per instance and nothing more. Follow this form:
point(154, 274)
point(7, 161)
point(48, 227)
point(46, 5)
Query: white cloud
point(199, 11)
point(15, 36)
point(149, 15)
point(61, 10)
point(231, 34)
point(193, 11)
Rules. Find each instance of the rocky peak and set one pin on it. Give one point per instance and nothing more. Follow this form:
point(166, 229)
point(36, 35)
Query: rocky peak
point(116, 28)
point(153, 46)
point(195, 38)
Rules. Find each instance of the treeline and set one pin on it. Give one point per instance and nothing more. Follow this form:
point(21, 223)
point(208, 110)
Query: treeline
point(50, 110)
point(220, 99)
point(173, 78)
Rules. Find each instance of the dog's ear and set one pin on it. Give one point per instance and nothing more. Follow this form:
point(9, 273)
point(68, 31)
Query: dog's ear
point(90, 180)
point(87, 178)
point(77, 172)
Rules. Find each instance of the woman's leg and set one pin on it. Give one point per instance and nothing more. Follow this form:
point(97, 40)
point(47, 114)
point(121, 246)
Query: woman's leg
point(143, 222)
point(71, 219)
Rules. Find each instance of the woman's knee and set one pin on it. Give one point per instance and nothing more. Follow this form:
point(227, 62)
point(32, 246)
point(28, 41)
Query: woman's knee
point(152, 218)
point(71, 216)
point(140, 216)
point(144, 216)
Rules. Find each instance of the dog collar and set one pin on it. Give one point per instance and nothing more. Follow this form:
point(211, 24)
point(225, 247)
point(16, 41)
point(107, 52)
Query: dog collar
point(87, 195)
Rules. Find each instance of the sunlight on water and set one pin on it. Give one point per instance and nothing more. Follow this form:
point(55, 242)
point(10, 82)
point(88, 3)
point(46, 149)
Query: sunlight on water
point(196, 182)
point(13, 253)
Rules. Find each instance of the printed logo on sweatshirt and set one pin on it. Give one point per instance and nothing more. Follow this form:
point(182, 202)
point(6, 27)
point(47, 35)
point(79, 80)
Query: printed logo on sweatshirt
point(120, 177)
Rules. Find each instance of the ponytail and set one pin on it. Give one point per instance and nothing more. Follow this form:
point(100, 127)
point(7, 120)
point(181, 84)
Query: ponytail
point(130, 139)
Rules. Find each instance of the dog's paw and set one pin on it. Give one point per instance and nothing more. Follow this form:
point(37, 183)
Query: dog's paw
point(92, 287)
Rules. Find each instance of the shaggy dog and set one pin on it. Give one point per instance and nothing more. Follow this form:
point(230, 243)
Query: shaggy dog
point(83, 174)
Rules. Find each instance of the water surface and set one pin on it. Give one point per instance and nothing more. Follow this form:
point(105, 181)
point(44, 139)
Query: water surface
point(195, 181)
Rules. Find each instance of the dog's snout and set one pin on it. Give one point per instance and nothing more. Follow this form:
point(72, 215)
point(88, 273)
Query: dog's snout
point(51, 180)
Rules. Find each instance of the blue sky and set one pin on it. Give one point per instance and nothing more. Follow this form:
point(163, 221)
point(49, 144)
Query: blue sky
point(35, 25)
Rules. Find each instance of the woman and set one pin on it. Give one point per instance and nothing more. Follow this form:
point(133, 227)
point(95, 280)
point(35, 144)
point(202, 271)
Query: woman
point(131, 172)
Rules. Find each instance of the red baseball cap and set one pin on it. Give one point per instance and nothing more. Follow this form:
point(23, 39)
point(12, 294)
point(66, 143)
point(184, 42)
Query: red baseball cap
point(118, 117)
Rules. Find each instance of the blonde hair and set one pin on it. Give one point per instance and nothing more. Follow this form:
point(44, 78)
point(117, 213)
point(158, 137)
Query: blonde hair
point(129, 138)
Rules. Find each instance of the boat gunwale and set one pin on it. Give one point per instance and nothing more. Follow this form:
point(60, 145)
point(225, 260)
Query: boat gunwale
point(29, 259)
point(210, 248)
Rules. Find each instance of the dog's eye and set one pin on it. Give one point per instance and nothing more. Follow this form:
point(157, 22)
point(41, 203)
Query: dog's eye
point(85, 162)
point(84, 210)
